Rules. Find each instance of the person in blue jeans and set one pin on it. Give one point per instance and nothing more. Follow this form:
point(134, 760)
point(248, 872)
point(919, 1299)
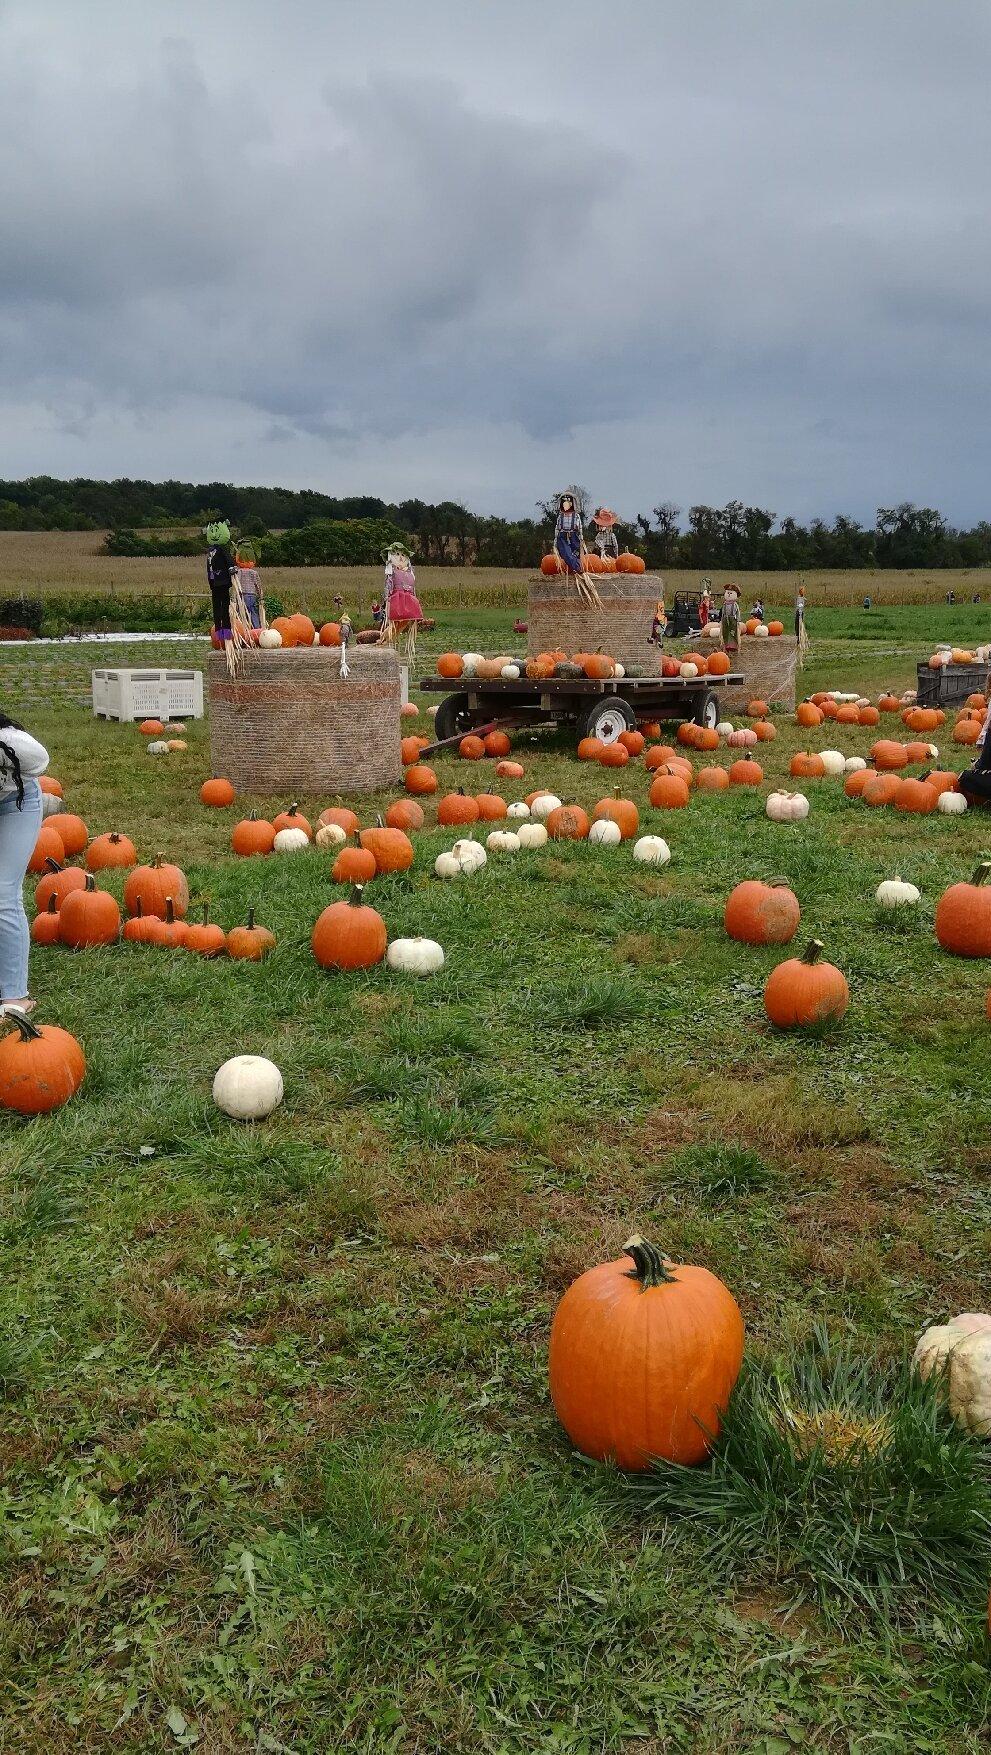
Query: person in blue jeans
point(22, 760)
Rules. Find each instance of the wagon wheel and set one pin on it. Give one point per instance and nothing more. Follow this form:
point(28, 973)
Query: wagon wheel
point(608, 718)
point(707, 711)
point(453, 716)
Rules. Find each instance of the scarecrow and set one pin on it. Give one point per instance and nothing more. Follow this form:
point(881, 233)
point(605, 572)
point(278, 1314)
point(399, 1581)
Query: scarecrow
point(730, 619)
point(606, 540)
point(569, 546)
point(402, 606)
point(221, 572)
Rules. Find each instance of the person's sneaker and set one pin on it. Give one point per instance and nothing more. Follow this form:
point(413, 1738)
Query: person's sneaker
point(21, 1008)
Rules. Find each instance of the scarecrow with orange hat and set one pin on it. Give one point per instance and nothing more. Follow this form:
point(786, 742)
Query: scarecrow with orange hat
point(606, 540)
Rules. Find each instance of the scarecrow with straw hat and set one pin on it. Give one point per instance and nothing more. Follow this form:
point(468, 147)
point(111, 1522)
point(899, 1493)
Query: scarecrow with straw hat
point(569, 545)
point(606, 540)
point(402, 606)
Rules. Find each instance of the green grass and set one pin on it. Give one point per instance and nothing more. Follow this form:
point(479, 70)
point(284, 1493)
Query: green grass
point(279, 1467)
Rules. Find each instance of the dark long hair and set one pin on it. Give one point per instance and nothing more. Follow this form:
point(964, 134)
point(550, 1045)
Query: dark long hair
point(11, 755)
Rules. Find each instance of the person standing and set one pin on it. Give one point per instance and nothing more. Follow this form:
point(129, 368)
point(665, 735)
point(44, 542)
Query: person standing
point(22, 760)
point(221, 569)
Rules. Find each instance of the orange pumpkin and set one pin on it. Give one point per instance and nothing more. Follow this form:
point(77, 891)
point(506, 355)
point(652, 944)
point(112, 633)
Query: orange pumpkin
point(250, 943)
point(888, 755)
point(73, 833)
point(807, 714)
point(330, 634)
point(303, 629)
point(598, 667)
point(758, 913)
point(757, 709)
point(58, 881)
point(889, 704)
point(806, 765)
point(206, 940)
point(867, 716)
point(614, 755)
point(471, 748)
point(409, 751)
point(89, 917)
point(668, 791)
point(45, 928)
point(349, 935)
point(618, 810)
point(283, 625)
point(49, 845)
point(854, 783)
point(916, 797)
point(450, 664)
point(491, 808)
point(154, 883)
point(746, 773)
point(111, 852)
point(568, 822)
point(405, 814)
point(848, 714)
point(881, 789)
point(775, 628)
point(963, 916)
point(391, 849)
point(966, 731)
point(630, 563)
point(47, 784)
point(633, 742)
point(41, 1066)
point(496, 743)
point(766, 732)
point(217, 793)
point(339, 816)
point(292, 818)
point(551, 564)
point(354, 865)
point(590, 749)
point(642, 1361)
point(420, 780)
point(509, 770)
point(151, 728)
point(718, 664)
point(457, 808)
point(252, 836)
point(804, 992)
point(712, 780)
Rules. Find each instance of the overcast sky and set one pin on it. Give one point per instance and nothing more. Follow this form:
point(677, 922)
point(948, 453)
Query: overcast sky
point(671, 249)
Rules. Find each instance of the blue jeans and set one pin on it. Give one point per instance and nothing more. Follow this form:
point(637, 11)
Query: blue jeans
point(18, 834)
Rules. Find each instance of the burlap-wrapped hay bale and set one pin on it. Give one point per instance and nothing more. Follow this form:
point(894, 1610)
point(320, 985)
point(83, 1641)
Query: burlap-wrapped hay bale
point(290, 723)
point(559, 620)
point(770, 666)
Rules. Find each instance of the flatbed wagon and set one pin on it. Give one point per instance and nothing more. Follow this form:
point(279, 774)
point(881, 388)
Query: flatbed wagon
point(599, 708)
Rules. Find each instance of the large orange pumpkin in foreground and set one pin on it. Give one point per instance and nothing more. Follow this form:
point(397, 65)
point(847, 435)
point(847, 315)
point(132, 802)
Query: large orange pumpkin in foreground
point(803, 991)
point(41, 1066)
point(643, 1356)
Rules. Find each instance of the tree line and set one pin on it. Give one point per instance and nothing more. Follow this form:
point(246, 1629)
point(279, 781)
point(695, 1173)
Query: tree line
point(147, 517)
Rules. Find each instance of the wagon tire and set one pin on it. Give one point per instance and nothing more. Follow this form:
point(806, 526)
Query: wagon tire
point(707, 711)
point(453, 716)
point(608, 718)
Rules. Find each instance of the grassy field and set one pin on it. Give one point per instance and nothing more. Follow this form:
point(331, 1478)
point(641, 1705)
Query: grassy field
point(279, 1469)
point(41, 563)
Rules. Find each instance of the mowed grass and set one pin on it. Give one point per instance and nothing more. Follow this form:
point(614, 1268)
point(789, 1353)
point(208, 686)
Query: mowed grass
point(279, 1467)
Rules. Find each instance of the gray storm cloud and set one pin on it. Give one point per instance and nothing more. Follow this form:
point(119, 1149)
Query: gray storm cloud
point(466, 254)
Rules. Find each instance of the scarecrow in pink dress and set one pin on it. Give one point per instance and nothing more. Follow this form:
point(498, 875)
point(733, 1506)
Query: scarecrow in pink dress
point(402, 606)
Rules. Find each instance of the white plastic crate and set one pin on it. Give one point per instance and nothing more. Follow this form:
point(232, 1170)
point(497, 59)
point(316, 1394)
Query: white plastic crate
point(147, 694)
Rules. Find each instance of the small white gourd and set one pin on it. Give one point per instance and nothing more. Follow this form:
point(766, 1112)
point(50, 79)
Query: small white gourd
point(962, 1349)
point(502, 841)
point(269, 639)
point(532, 835)
point(542, 806)
point(652, 850)
point(291, 841)
point(725, 727)
point(787, 807)
point(415, 956)
point(248, 1087)
point(330, 835)
point(605, 833)
point(761, 631)
point(619, 670)
point(834, 761)
point(952, 804)
point(158, 748)
point(519, 809)
point(893, 893)
point(688, 670)
point(854, 764)
point(461, 860)
point(510, 672)
point(470, 662)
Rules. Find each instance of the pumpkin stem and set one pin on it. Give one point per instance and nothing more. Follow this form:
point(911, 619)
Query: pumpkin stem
point(355, 898)
point(814, 951)
point(779, 883)
point(52, 864)
point(206, 914)
point(170, 910)
point(982, 873)
point(251, 920)
point(90, 881)
point(51, 909)
point(29, 1032)
point(649, 1263)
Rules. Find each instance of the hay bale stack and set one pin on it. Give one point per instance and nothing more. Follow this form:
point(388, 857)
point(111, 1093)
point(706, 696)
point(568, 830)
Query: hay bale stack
point(558, 619)
point(290, 723)
point(770, 669)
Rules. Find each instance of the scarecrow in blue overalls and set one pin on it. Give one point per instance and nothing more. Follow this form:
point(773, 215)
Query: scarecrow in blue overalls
point(569, 545)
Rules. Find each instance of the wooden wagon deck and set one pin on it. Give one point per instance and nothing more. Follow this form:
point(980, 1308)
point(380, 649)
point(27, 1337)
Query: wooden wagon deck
point(600, 707)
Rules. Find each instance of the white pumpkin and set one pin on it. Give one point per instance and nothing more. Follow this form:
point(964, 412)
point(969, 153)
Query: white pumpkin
point(893, 893)
point(743, 739)
point(415, 956)
point(834, 761)
point(510, 672)
point(433, 711)
point(470, 662)
point(519, 809)
point(461, 860)
point(542, 806)
point(269, 639)
point(854, 764)
point(532, 835)
point(502, 841)
point(787, 807)
point(651, 850)
point(688, 670)
point(605, 833)
point(330, 835)
point(248, 1087)
point(619, 670)
point(961, 1348)
point(725, 728)
point(51, 804)
point(174, 727)
point(291, 841)
point(952, 804)
point(158, 748)
point(712, 631)
point(761, 631)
